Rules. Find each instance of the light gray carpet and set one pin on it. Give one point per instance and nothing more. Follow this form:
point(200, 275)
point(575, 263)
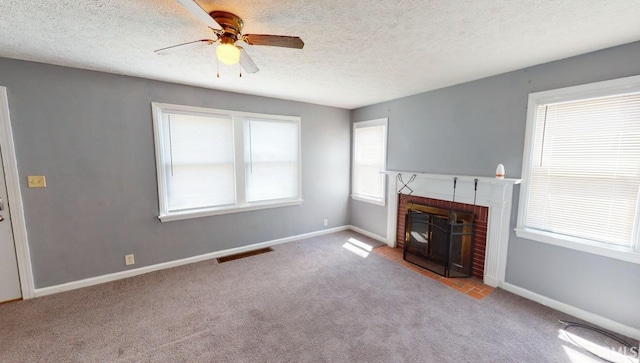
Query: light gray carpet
point(307, 301)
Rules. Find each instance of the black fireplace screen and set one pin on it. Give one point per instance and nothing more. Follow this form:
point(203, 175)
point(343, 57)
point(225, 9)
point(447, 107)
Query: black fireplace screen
point(439, 240)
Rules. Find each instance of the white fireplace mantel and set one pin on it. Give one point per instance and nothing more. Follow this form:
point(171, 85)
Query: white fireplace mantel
point(492, 192)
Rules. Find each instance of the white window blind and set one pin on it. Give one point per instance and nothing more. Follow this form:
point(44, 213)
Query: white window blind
point(585, 169)
point(369, 158)
point(199, 161)
point(271, 160)
point(213, 162)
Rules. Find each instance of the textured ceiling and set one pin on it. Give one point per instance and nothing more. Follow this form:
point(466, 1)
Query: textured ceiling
point(356, 52)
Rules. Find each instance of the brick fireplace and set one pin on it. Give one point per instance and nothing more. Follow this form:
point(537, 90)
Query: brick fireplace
point(492, 213)
point(480, 213)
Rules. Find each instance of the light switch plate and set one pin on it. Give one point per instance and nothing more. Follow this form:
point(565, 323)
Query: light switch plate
point(37, 181)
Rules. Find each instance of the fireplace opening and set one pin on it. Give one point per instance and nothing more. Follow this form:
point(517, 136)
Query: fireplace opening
point(439, 240)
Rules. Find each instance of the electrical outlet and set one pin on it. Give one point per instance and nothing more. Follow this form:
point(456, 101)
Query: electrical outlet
point(326, 222)
point(129, 260)
point(37, 181)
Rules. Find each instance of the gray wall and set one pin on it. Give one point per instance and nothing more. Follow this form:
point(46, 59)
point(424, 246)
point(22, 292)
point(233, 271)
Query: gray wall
point(91, 135)
point(470, 128)
point(369, 217)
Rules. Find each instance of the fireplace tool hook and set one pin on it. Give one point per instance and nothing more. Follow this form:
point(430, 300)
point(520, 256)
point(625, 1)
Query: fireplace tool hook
point(475, 192)
point(406, 185)
point(453, 216)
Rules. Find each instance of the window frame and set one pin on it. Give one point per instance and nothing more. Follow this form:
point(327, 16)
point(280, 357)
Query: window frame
point(238, 122)
point(370, 123)
point(574, 93)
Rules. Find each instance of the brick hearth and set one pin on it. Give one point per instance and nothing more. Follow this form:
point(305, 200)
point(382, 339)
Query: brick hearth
point(469, 285)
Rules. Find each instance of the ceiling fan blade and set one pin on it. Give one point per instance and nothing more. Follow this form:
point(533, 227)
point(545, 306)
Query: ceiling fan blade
point(200, 13)
point(167, 50)
point(273, 40)
point(246, 61)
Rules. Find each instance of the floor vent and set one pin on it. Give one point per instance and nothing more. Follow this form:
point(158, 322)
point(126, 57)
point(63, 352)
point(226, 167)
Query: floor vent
point(244, 254)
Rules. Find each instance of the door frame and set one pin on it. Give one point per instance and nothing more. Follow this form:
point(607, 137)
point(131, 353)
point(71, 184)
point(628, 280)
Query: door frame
point(14, 196)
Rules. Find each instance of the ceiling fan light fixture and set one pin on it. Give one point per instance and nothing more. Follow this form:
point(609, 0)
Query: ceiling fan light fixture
point(228, 53)
point(227, 28)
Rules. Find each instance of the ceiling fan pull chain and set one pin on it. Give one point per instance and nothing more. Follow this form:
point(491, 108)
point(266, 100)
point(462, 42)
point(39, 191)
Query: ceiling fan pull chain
point(217, 68)
point(240, 69)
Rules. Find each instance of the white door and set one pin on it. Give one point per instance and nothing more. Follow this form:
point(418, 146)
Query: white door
point(9, 278)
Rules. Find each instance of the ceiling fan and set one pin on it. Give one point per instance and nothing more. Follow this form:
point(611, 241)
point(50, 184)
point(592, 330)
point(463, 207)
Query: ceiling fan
point(227, 28)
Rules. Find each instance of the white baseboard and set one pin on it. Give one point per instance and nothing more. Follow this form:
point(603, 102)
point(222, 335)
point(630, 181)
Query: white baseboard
point(574, 311)
point(554, 304)
point(368, 234)
point(185, 261)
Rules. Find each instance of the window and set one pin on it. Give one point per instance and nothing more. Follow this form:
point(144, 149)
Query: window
point(271, 160)
point(213, 161)
point(369, 158)
point(581, 169)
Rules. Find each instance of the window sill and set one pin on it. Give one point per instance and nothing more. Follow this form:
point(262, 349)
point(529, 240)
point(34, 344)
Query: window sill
point(578, 244)
point(176, 216)
point(376, 201)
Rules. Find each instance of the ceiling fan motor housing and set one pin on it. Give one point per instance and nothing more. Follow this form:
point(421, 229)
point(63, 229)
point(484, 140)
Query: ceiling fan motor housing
point(230, 23)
